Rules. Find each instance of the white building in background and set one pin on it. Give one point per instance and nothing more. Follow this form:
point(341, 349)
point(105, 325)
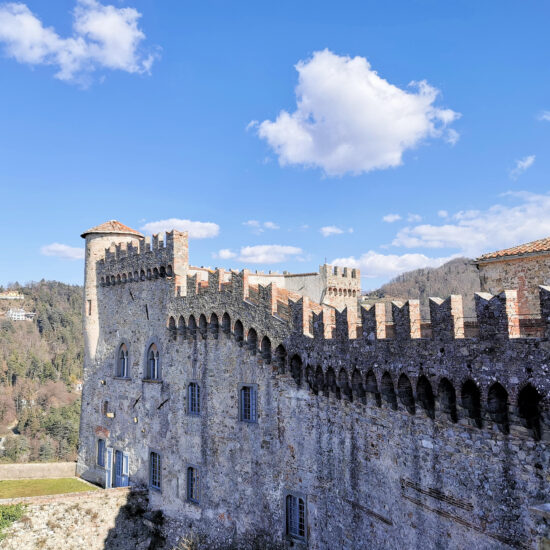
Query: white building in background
point(20, 315)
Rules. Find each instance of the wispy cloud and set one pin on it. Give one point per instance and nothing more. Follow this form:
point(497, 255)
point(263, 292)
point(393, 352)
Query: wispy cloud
point(104, 37)
point(258, 227)
point(390, 218)
point(330, 230)
point(472, 232)
point(521, 166)
point(350, 120)
point(62, 251)
point(197, 230)
point(544, 115)
point(261, 254)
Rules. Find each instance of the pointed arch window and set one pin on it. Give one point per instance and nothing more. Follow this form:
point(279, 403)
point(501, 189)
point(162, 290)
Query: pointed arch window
point(153, 366)
point(123, 370)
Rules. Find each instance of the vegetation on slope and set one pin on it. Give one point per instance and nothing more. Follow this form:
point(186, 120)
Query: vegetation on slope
point(40, 364)
point(17, 488)
point(459, 276)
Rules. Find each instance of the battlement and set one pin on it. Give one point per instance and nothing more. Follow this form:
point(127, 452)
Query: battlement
point(496, 316)
point(153, 258)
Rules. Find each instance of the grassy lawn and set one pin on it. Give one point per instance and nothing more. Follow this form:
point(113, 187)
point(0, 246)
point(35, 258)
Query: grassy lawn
point(37, 487)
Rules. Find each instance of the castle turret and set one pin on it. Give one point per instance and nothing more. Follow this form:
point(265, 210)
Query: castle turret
point(97, 240)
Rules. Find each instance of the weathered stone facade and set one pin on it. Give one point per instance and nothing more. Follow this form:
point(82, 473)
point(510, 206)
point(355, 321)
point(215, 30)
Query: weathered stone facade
point(394, 433)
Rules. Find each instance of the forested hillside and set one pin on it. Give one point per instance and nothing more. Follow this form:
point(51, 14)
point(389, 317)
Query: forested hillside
point(459, 276)
point(40, 367)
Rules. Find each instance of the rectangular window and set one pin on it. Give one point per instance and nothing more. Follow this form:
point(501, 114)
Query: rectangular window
point(247, 403)
point(89, 307)
point(194, 399)
point(101, 453)
point(154, 470)
point(193, 484)
point(296, 517)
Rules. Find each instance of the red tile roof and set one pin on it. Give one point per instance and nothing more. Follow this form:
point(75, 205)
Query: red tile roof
point(112, 226)
point(542, 245)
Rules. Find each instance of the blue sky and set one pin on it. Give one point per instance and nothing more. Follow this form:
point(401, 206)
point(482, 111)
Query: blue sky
point(299, 117)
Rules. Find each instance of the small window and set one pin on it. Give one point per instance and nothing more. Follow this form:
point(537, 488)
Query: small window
point(101, 453)
point(154, 470)
point(122, 363)
point(247, 403)
point(193, 485)
point(295, 517)
point(153, 370)
point(194, 399)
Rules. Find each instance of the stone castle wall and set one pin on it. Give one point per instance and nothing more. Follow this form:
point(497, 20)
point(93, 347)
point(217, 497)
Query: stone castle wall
point(398, 433)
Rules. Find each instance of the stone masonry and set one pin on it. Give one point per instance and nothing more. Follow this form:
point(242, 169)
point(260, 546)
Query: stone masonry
point(394, 433)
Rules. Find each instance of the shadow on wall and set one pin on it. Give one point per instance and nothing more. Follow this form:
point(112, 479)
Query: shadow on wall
point(135, 528)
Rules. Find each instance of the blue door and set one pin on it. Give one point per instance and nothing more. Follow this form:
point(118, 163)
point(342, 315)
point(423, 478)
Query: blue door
point(121, 469)
point(109, 468)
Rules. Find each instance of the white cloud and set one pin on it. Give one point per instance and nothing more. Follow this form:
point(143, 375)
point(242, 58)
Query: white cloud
point(261, 254)
point(390, 218)
point(197, 230)
point(544, 115)
point(63, 251)
point(104, 37)
point(414, 218)
point(329, 230)
point(372, 264)
point(522, 165)
point(473, 232)
point(225, 254)
point(259, 227)
point(349, 119)
point(443, 213)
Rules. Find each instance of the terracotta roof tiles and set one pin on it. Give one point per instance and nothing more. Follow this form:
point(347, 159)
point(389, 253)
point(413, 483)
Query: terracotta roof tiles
point(542, 245)
point(112, 226)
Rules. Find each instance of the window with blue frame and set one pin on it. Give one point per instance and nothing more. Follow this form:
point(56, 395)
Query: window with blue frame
point(101, 453)
point(296, 517)
point(193, 485)
point(194, 399)
point(248, 403)
point(154, 470)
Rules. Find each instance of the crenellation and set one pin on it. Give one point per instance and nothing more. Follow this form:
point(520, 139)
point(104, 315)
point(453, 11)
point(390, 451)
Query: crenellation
point(447, 317)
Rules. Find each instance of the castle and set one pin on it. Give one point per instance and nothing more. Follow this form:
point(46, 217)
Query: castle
point(250, 403)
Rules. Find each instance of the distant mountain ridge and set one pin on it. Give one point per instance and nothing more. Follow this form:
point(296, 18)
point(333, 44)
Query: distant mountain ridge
point(458, 276)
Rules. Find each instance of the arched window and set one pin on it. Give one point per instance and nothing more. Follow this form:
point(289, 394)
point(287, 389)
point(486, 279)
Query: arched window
point(238, 330)
point(226, 324)
point(203, 326)
point(172, 328)
point(330, 384)
point(169, 272)
point(529, 410)
point(194, 399)
point(405, 391)
point(357, 385)
point(387, 390)
point(471, 401)
point(162, 271)
point(425, 396)
point(122, 370)
point(252, 341)
point(497, 405)
point(153, 366)
point(343, 384)
point(371, 387)
point(266, 350)
point(192, 327)
point(447, 399)
point(295, 517)
point(296, 369)
point(214, 326)
point(280, 357)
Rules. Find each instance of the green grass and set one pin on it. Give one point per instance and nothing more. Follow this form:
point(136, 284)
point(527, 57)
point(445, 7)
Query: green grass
point(9, 514)
point(38, 487)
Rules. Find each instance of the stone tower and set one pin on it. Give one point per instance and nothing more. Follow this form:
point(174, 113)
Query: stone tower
point(97, 240)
